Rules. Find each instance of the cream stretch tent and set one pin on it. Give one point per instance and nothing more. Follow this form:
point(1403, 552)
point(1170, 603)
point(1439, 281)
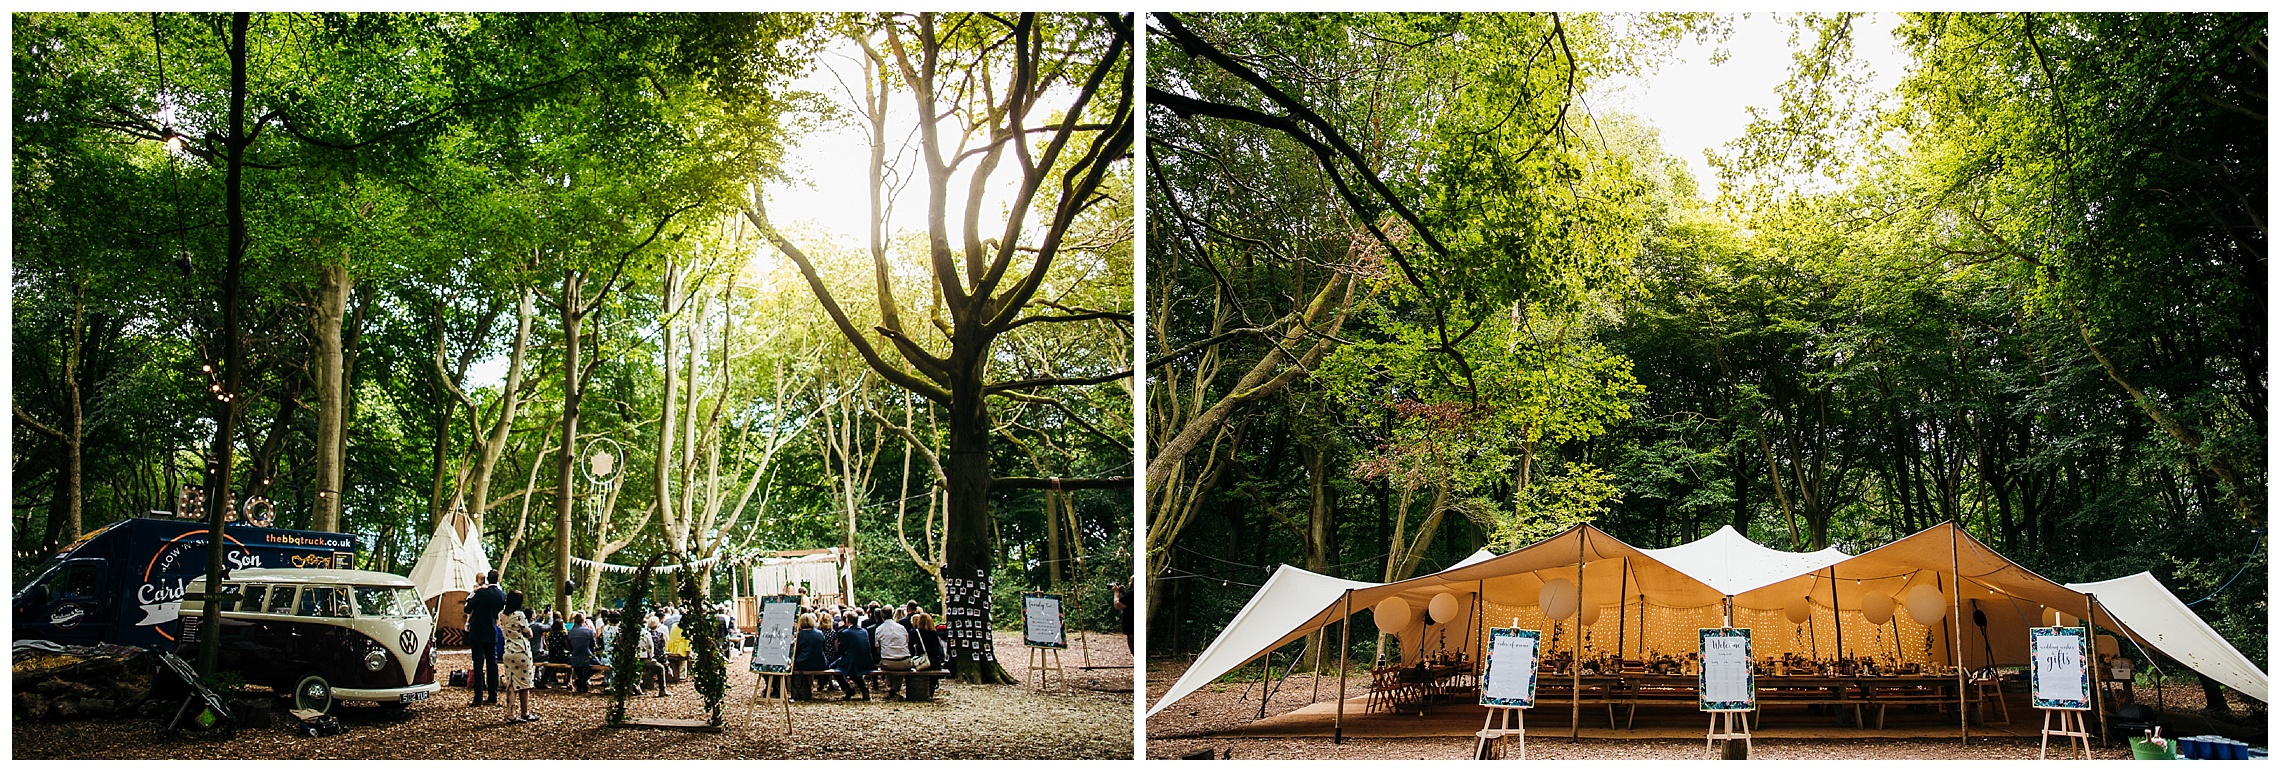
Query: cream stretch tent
point(1497, 591)
point(2170, 627)
point(1652, 601)
point(1993, 601)
point(447, 569)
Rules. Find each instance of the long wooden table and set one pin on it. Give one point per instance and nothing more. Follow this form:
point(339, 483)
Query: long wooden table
point(1858, 692)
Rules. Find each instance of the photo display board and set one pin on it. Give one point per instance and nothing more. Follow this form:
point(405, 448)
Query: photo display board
point(2061, 667)
point(779, 630)
point(1508, 673)
point(1041, 623)
point(1727, 683)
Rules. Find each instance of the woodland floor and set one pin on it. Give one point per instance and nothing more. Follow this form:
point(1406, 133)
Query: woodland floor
point(1213, 719)
point(1092, 719)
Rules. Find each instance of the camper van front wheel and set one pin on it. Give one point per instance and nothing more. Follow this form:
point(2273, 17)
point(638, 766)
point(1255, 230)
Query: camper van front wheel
point(312, 692)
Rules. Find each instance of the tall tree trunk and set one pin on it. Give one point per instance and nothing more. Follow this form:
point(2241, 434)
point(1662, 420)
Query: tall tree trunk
point(65, 512)
point(565, 469)
point(1318, 525)
point(233, 342)
point(333, 284)
point(967, 548)
point(510, 397)
point(676, 530)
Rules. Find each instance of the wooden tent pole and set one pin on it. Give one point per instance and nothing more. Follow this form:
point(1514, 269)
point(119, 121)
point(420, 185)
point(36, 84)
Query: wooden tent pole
point(1955, 632)
point(1575, 646)
point(1338, 725)
point(1837, 614)
point(2098, 698)
point(1622, 606)
point(1266, 676)
point(1479, 629)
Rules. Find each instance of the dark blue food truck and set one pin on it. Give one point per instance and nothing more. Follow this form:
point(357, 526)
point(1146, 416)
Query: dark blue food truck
point(125, 583)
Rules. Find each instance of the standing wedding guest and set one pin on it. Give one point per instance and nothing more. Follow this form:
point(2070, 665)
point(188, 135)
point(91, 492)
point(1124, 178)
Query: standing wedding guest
point(483, 607)
point(516, 666)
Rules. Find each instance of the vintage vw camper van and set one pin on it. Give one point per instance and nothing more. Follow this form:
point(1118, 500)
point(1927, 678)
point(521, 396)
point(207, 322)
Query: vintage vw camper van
point(323, 635)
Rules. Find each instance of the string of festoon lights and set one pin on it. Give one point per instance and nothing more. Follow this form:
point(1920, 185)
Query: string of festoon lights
point(213, 380)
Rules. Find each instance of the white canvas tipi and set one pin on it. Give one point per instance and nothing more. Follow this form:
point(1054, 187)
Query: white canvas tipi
point(447, 571)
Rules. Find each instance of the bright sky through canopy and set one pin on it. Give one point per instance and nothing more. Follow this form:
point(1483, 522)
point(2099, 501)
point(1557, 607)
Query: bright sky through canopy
point(831, 164)
point(1700, 106)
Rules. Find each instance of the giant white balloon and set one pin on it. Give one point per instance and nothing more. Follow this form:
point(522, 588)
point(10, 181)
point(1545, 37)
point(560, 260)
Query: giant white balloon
point(1558, 599)
point(1926, 604)
point(1590, 614)
point(1798, 610)
point(1443, 607)
point(1877, 607)
point(1393, 615)
point(2107, 646)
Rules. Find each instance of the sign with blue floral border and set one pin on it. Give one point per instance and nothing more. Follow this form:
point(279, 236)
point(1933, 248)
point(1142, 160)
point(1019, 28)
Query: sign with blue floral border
point(1726, 672)
point(778, 633)
point(2061, 669)
point(1508, 670)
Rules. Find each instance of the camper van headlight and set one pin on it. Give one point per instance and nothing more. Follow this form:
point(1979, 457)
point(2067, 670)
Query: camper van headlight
point(375, 659)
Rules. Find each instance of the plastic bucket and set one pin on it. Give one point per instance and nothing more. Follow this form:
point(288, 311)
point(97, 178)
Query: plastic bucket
point(2144, 750)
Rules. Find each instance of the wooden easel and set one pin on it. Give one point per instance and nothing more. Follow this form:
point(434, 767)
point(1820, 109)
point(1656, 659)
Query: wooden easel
point(1501, 723)
point(1042, 660)
point(783, 689)
point(2070, 726)
point(1728, 725)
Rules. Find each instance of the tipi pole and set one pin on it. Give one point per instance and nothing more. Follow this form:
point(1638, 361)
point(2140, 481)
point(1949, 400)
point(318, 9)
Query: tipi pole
point(1955, 633)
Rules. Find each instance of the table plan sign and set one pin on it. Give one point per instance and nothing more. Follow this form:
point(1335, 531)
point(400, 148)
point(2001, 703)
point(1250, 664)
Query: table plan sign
point(1508, 675)
point(2061, 668)
point(779, 629)
point(1041, 623)
point(1726, 680)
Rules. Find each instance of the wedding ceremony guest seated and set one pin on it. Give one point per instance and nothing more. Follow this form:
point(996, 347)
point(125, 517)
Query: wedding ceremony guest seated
point(893, 643)
point(607, 646)
point(930, 639)
point(807, 651)
point(677, 649)
point(651, 652)
point(578, 643)
point(557, 651)
point(855, 659)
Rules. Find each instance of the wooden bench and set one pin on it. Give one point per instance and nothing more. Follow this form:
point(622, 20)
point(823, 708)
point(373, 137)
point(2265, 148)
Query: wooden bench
point(803, 683)
point(918, 685)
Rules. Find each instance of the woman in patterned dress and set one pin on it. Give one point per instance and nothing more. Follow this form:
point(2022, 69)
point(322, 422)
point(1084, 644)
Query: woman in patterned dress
point(516, 670)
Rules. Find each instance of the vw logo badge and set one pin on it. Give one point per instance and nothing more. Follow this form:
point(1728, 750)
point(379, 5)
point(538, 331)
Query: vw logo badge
point(411, 641)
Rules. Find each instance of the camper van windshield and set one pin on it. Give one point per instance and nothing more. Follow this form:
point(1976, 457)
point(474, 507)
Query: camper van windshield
point(393, 602)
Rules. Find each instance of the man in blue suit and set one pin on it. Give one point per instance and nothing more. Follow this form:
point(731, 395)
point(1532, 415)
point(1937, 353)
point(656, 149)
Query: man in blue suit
point(581, 640)
point(483, 607)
